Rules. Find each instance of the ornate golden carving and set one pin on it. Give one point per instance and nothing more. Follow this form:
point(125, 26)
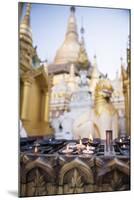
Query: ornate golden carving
point(76, 164)
point(39, 185)
point(76, 185)
point(65, 175)
point(113, 176)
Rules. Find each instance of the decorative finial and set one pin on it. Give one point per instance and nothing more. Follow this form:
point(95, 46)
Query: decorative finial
point(26, 19)
point(72, 9)
point(82, 30)
point(95, 61)
point(28, 8)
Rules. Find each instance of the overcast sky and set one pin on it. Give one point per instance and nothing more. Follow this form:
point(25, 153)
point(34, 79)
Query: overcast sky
point(106, 33)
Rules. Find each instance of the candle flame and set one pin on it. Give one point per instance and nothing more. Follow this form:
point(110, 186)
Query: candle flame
point(120, 140)
point(36, 149)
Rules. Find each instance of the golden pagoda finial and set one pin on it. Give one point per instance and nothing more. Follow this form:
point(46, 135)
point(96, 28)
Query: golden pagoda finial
point(28, 9)
point(26, 19)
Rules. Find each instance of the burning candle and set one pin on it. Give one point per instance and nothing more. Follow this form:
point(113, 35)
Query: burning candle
point(87, 148)
point(36, 149)
point(90, 138)
point(67, 150)
point(120, 140)
point(80, 142)
point(80, 145)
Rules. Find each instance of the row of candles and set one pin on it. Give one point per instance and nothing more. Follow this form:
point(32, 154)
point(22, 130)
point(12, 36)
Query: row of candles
point(89, 148)
point(123, 142)
point(81, 147)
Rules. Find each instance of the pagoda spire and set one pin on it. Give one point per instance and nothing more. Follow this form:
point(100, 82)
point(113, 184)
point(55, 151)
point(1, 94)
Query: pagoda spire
point(26, 19)
point(68, 52)
point(83, 62)
point(26, 43)
point(72, 26)
point(25, 29)
point(82, 31)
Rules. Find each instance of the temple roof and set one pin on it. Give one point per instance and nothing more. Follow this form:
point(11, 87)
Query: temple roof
point(68, 52)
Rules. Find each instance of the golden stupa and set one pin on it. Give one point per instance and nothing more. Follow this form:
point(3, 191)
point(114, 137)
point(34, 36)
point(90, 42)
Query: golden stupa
point(69, 50)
